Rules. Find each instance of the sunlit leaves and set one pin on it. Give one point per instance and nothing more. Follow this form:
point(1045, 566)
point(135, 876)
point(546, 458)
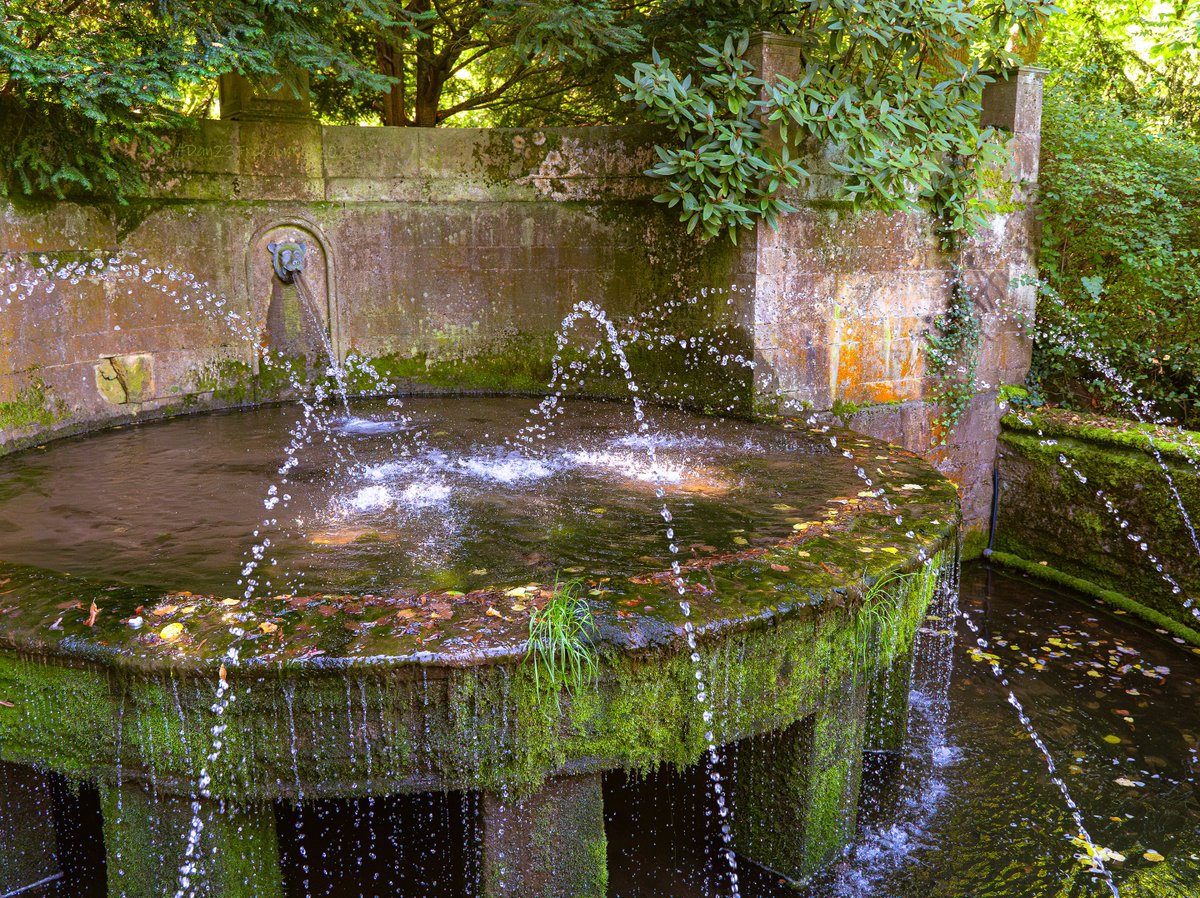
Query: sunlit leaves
point(88, 88)
point(893, 86)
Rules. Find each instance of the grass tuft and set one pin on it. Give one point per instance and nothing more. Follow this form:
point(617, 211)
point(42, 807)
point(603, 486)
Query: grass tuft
point(560, 646)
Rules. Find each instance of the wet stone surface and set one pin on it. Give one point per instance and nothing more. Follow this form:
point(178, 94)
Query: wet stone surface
point(430, 533)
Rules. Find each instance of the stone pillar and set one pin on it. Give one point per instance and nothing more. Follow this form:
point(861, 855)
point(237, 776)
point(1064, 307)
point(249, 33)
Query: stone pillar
point(1013, 103)
point(28, 848)
point(887, 705)
point(280, 99)
point(145, 837)
point(795, 793)
point(547, 845)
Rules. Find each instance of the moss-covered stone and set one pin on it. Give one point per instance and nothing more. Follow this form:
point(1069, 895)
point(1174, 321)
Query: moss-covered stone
point(35, 405)
point(150, 853)
point(1054, 511)
point(796, 789)
point(550, 844)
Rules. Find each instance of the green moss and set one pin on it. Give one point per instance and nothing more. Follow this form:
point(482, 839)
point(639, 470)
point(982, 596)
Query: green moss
point(235, 382)
point(1047, 513)
point(485, 727)
point(145, 835)
point(1053, 576)
point(974, 542)
point(34, 405)
point(57, 717)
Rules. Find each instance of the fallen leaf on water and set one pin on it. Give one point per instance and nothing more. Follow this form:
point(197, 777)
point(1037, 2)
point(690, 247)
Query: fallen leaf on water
point(741, 540)
point(163, 610)
point(1113, 740)
point(492, 612)
point(93, 613)
point(4, 704)
point(268, 627)
point(780, 567)
point(1127, 783)
point(1153, 856)
point(229, 603)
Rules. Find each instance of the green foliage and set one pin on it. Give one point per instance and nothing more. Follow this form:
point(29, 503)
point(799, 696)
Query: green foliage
point(501, 61)
point(891, 611)
point(884, 86)
point(89, 88)
point(721, 174)
point(560, 646)
point(952, 356)
point(1121, 242)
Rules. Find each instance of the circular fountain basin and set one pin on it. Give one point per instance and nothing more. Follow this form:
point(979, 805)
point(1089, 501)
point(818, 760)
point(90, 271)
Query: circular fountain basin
point(384, 646)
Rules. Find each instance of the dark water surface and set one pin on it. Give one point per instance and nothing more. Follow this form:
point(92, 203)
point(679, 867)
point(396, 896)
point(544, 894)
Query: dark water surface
point(1119, 709)
point(440, 495)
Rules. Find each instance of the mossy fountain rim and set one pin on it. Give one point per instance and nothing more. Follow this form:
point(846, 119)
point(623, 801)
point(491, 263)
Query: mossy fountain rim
point(831, 560)
point(804, 648)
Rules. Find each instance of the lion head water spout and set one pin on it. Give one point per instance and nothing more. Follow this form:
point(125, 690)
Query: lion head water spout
point(287, 259)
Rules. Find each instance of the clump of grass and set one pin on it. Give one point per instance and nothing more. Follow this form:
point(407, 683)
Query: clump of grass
point(560, 647)
point(883, 623)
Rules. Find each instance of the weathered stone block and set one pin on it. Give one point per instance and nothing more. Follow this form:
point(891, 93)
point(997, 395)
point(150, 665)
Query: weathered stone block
point(149, 853)
point(550, 844)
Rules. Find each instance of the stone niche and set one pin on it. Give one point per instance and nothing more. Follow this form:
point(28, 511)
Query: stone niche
point(293, 318)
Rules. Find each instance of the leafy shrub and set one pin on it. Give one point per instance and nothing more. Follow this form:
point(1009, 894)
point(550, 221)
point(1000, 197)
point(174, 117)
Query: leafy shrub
point(1120, 206)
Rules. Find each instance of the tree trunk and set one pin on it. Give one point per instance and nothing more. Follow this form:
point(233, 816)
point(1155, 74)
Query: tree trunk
point(430, 78)
point(392, 104)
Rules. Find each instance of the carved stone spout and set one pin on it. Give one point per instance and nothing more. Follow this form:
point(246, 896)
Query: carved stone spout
point(287, 259)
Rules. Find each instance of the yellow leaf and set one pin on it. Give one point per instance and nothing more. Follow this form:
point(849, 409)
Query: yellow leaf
point(229, 603)
point(268, 627)
point(1113, 740)
point(1153, 856)
point(171, 632)
point(492, 612)
point(741, 540)
point(517, 592)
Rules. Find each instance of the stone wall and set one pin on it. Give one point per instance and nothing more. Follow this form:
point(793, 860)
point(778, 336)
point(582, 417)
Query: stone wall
point(452, 256)
point(1053, 522)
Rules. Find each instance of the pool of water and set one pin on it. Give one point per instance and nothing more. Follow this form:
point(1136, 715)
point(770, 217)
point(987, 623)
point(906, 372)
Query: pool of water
point(1119, 709)
point(443, 494)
